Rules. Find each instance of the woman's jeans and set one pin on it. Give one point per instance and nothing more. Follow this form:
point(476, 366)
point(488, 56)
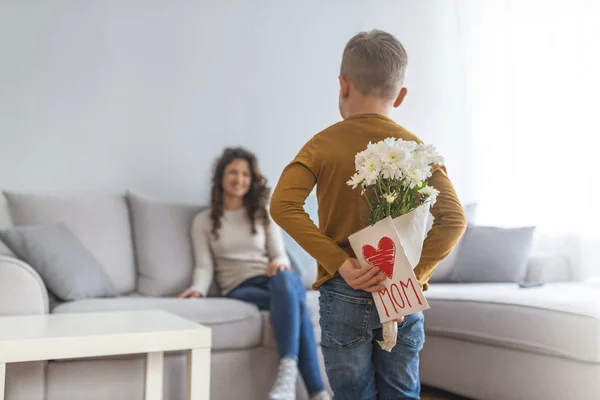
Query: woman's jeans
point(285, 296)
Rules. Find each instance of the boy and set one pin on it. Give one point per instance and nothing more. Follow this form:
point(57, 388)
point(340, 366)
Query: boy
point(371, 84)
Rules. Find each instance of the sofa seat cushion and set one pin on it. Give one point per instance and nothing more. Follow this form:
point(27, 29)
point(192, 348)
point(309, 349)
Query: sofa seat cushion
point(312, 301)
point(235, 324)
point(557, 319)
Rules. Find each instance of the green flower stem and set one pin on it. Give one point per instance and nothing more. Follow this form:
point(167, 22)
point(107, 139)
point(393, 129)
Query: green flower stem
point(407, 199)
point(368, 201)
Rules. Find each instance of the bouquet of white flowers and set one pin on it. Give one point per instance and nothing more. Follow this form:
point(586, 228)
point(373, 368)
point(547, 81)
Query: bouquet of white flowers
point(392, 175)
point(396, 173)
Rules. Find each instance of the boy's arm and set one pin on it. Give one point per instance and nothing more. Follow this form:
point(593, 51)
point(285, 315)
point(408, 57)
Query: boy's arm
point(448, 226)
point(275, 246)
point(287, 210)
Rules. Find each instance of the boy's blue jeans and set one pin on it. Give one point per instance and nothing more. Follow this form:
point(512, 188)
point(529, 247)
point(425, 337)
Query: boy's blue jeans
point(357, 367)
point(285, 296)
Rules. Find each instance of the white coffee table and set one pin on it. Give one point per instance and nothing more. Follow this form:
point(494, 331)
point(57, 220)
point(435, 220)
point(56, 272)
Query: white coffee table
point(59, 336)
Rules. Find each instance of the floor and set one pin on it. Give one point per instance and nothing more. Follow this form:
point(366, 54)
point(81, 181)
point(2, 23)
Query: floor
point(435, 394)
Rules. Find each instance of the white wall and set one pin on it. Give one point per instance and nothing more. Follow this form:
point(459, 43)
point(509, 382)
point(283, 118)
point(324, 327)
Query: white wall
point(143, 95)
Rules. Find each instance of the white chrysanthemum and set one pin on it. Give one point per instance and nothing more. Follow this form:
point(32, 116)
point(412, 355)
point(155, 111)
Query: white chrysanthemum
point(370, 179)
point(415, 177)
point(419, 172)
point(407, 145)
point(387, 171)
point(377, 148)
point(391, 171)
point(361, 158)
point(428, 154)
point(371, 165)
point(390, 197)
point(431, 193)
point(355, 180)
point(390, 142)
point(398, 174)
point(394, 155)
point(419, 160)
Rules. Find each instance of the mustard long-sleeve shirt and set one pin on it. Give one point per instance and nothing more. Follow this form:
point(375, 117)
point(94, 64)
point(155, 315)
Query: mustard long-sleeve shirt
point(327, 161)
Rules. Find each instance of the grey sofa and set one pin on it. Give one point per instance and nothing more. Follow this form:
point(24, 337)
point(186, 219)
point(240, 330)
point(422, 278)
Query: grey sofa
point(485, 341)
point(145, 249)
point(498, 341)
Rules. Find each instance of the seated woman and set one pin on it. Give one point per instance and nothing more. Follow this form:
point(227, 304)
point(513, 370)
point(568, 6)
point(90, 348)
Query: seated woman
point(238, 240)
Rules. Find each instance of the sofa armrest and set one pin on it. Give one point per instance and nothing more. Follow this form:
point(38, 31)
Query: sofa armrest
point(22, 290)
point(544, 269)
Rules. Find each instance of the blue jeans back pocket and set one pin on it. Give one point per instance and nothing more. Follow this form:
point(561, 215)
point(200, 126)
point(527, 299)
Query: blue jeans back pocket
point(344, 319)
point(410, 331)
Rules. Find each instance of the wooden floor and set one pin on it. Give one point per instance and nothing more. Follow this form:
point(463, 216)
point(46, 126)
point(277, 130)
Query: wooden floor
point(434, 394)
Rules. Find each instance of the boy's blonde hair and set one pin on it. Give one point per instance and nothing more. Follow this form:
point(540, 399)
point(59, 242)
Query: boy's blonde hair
point(375, 62)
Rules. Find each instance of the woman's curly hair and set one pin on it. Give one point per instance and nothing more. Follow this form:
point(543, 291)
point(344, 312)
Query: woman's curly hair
point(256, 198)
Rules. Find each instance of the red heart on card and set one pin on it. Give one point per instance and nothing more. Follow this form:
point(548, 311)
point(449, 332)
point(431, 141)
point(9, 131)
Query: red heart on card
point(382, 257)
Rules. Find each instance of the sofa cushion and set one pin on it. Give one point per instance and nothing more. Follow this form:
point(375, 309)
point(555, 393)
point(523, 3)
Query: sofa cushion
point(312, 301)
point(100, 221)
point(5, 251)
point(163, 246)
point(558, 319)
point(235, 324)
point(69, 270)
point(444, 269)
point(5, 223)
point(548, 268)
point(493, 254)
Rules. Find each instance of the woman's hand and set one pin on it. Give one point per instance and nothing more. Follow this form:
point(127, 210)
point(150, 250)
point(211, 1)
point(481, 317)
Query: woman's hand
point(190, 293)
point(274, 267)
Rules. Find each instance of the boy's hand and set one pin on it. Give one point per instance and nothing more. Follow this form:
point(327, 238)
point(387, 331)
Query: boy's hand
point(358, 278)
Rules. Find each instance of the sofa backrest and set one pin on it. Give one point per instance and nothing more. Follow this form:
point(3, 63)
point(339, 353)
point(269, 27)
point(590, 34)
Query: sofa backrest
point(143, 244)
point(100, 221)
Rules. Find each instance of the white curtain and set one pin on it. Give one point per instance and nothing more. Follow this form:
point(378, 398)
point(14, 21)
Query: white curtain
point(533, 73)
